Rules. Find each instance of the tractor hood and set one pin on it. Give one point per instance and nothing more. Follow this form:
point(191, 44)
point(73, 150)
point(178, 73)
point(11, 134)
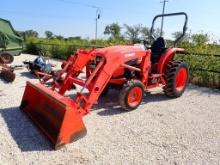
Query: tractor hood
point(126, 53)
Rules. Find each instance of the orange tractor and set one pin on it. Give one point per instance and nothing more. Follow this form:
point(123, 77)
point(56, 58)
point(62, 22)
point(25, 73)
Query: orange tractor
point(131, 69)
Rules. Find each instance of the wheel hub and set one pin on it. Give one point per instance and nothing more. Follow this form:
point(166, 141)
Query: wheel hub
point(181, 79)
point(134, 96)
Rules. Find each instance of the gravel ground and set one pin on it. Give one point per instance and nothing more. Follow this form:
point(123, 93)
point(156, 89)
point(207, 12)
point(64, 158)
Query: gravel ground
point(161, 131)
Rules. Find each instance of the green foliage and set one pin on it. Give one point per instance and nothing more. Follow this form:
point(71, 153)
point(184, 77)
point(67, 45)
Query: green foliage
point(145, 33)
point(200, 39)
point(185, 38)
point(196, 45)
point(61, 48)
point(48, 34)
point(133, 32)
point(74, 38)
point(30, 33)
point(114, 30)
point(31, 46)
point(59, 37)
point(198, 69)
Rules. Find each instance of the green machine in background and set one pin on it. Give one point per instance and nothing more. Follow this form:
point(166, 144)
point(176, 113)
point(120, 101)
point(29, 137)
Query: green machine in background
point(10, 42)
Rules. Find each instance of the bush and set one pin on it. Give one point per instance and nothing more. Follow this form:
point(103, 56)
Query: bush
point(61, 49)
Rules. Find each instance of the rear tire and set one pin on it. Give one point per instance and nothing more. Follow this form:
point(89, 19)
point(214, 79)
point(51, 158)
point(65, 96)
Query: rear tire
point(131, 95)
point(177, 77)
point(6, 58)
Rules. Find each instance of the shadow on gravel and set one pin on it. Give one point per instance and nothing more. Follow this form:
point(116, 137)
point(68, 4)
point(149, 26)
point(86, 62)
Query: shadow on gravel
point(5, 82)
point(156, 97)
point(28, 75)
point(26, 136)
point(110, 104)
point(111, 111)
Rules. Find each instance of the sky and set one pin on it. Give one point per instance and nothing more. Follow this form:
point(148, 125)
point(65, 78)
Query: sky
point(77, 17)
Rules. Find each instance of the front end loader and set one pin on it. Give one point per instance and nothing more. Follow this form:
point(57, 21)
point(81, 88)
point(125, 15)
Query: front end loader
point(130, 69)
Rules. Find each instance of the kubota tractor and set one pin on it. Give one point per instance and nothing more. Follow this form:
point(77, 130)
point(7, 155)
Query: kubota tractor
point(131, 69)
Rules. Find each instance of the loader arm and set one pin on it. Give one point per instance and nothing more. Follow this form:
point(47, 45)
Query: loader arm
point(74, 67)
point(58, 116)
point(96, 81)
point(103, 76)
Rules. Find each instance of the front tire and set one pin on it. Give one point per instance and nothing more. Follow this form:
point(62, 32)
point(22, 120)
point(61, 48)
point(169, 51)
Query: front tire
point(131, 95)
point(177, 77)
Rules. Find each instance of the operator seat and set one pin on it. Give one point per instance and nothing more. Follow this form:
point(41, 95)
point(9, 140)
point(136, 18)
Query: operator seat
point(157, 49)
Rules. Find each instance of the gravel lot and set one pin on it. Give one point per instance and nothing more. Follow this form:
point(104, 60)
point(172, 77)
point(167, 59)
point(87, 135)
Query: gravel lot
point(162, 131)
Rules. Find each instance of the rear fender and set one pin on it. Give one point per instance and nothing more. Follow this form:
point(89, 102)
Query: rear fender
point(167, 57)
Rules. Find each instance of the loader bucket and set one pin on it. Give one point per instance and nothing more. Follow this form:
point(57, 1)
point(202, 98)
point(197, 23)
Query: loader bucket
point(55, 115)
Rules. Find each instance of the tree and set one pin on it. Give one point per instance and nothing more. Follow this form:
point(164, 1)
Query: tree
point(30, 33)
point(114, 30)
point(48, 34)
point(185, 38)
point(145, 33)
point(75, 38)
point(21, 33)
point(200, 39)
point(133, 32)
point(59, 37)
point(27, 34)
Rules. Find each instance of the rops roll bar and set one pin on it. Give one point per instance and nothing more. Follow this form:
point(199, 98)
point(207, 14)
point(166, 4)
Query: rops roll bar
point(169, 15)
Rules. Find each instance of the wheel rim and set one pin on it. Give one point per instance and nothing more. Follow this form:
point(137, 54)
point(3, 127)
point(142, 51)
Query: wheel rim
point(135, 96)
point(181, 79)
